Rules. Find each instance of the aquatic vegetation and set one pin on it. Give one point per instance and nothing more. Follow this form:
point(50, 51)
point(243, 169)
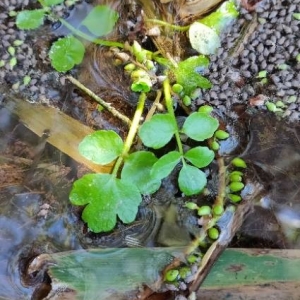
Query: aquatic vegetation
point(69, 51)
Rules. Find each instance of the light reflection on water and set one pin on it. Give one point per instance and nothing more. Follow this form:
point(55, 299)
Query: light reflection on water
point(27, 228)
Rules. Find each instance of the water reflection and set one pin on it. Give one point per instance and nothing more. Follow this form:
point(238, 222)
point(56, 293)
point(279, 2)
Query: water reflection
point(34, 214)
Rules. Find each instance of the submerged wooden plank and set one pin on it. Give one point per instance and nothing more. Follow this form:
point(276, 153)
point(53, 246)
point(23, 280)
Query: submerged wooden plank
point(65, 132)
point(254, 274)
point(113, 273)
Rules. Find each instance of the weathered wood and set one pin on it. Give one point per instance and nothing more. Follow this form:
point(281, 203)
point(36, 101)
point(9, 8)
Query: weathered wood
point(65, 132)
point(253, 274)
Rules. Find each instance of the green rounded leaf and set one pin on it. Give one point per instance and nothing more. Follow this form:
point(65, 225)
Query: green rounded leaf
point(107, 197)
point(30, 19)
point(137, 169)
point(85, 190)
point(99, 220)
point(101, 147)
point(158, 131)
point(191, 180)
point(128, 198)
point(65, 53)
point(164, 166)
point(101, 20)
point(200, 156)
point(200, 126)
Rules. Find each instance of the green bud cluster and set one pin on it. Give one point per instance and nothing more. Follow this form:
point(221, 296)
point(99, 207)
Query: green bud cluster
point(236, 180)
point(275, 107)
point(141, 79)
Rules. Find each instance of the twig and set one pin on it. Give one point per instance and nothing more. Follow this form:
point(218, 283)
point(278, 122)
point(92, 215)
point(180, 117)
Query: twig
point(154, 106)
point(106, 105)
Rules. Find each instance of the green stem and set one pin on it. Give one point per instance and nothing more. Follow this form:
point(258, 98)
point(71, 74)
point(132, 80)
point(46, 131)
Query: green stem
point(131, 134)
point(89, 38)
point(169, 104)
point(166, 24)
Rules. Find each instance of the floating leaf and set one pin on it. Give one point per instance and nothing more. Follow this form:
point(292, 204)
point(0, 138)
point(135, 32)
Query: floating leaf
point(101, 20)
point(200, 126)
point(188, 73)
point(191, 180)
point(106, 197)
point(200, 156)
point(203, 39)
point(164, 166)
point(137, 169)
point(30, 19)
point(66, 53)
point(101, 147)
point(158, 131)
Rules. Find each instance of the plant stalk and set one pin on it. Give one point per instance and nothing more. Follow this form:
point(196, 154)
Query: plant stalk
point(169, 104)
point(131, 134)
point(166, 24)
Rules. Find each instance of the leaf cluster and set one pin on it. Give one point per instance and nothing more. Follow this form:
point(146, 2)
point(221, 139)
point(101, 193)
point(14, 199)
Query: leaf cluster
point(158, 131)
point(106, 196)
point(69, 51)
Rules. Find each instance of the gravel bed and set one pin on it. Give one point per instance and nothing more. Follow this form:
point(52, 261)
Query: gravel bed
point(30, 74)
point(273, 46)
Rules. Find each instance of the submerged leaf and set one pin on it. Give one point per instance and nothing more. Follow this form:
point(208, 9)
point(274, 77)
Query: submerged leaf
point(158, 131)
point(30, 19)
point(65, 53)
point(101, 20)
point(200, 126)
point(101, 147)
point(107, 197)
point(104, 274)
point(137, 168)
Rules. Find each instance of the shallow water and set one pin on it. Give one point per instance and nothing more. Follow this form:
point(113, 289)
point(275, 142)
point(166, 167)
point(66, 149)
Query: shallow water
point(34, 213)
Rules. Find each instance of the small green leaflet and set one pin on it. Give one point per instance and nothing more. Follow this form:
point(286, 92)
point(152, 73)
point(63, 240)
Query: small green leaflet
point(65, 53)
point(200, 156)
point(137, 168)
point(101, 147)
point(106, 197)
point(191, 180)
point(158, 131)
point(165, 165)
point(101, 20)
point(200, 126)
point(296, 16)
point(187, 73)
point(30, 19)
point(50, 2)
point(220, 19)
